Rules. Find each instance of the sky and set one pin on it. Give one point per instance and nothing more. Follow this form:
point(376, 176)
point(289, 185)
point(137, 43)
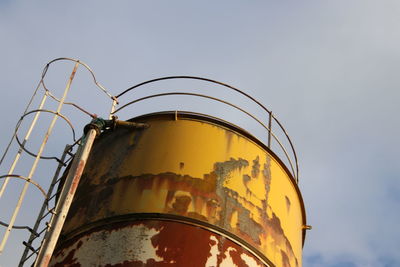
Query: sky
point(327, 69)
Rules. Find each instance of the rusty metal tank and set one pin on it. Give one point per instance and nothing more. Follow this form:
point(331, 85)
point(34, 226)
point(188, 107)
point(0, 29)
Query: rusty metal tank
point(189, 190)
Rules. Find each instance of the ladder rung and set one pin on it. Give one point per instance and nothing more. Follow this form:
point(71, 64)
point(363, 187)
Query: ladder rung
point(30, 247)
point(47, 213)
point(41, 232)
point(30, 255)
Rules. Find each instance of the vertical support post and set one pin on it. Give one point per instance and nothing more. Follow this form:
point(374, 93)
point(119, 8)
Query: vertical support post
point(35, 163)
point(269, 129)
point(64, 203)
point(113, 105)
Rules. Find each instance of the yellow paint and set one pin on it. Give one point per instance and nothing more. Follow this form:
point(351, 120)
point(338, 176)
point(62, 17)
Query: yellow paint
point(234, 220)
point(181, 158)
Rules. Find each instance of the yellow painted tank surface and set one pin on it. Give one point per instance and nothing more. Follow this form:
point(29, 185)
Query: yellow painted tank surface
point(189, 190)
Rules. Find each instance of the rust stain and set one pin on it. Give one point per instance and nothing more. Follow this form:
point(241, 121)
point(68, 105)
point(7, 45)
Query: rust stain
point(287, 203)
point(107, 190)
point(169, 198)
point(229, 136)
point(46, 260)
point(181, 204)
point(255, 170)
point(280, 238)
point(88, 198)
point(79, 244)
point(198, 203)
point(175, 244)
point(227, 248)
point(182, 244)
point(224, 169)
point(76, 179)
point(212, 206)
point(208, 192)
point(128, 263)
point(266, 172)
point(137, 134)
point(73, 72)
point(285, 259)
point(69, 260)
point(246, 179)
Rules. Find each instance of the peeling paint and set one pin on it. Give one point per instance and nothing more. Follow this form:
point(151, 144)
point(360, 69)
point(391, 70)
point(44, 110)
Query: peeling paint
point(249, 260)
point(153, 243)
point(285, 259)
point(234, 192)
point(287, 203)
point(223, 169)
point(212, 260)
point(112, 247)
point(181, 204)
point(256, 167)
point(224, 206)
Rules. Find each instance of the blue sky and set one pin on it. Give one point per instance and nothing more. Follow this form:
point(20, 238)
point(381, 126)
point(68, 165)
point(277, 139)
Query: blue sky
point(328, 69)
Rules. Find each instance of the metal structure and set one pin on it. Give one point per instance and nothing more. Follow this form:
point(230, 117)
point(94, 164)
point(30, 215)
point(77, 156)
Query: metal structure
point(170, 188)
point(42, 97)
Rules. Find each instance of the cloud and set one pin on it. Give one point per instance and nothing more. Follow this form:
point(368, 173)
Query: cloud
point(327, 69)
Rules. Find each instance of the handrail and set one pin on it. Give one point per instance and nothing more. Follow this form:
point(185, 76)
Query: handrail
point(291, 145)
point(219, 100)
point(294, 168)
point(196, 78)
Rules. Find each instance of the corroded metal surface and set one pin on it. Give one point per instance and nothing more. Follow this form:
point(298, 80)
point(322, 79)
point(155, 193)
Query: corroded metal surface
point(152, 243)
point(196, 169)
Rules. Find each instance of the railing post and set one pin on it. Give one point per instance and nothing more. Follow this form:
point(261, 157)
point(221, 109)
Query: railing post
point(269, 129)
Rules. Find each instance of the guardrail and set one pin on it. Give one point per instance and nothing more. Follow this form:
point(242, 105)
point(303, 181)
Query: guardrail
point(290, 154)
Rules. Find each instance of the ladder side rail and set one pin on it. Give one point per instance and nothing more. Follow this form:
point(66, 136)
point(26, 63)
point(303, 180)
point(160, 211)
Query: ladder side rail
point(44, 207)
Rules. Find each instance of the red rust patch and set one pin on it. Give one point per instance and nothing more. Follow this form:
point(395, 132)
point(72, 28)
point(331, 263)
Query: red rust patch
point(76, 178)
point(177, 244)
point(182, 244)
point(69, 260)
point(79, 244)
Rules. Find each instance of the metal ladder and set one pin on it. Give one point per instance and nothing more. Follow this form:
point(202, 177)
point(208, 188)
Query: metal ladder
point(49, 212)
point(46, 212)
